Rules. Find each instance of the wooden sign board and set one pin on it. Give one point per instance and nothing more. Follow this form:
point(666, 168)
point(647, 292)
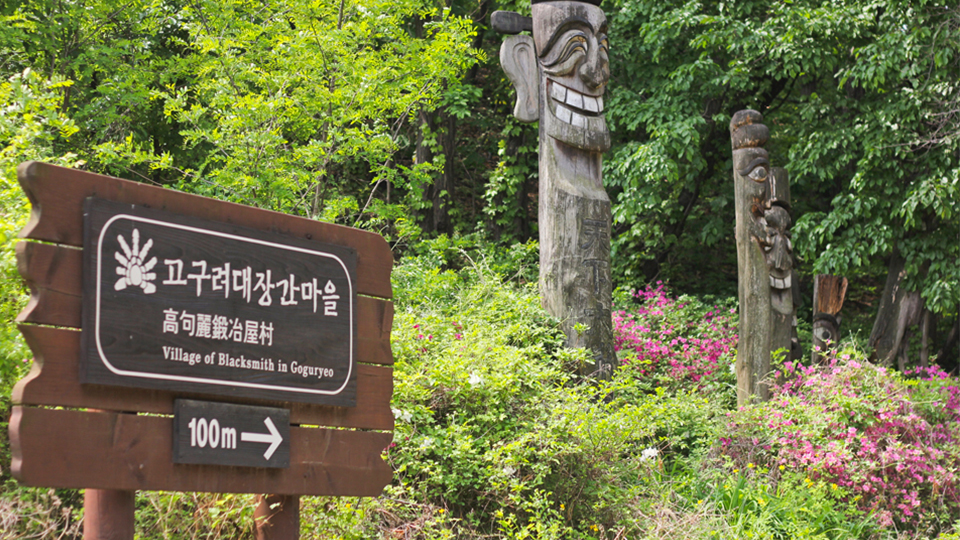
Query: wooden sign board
point(194, 305)
point(71, 428)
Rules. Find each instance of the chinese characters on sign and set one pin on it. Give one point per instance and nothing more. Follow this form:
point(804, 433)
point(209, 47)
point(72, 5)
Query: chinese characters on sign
point(211, 308)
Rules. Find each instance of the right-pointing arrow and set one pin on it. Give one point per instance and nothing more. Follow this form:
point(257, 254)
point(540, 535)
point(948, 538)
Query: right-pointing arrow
point(273, 438)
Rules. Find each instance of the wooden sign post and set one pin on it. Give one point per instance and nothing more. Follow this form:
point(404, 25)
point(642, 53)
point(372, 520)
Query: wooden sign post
point(212, 334)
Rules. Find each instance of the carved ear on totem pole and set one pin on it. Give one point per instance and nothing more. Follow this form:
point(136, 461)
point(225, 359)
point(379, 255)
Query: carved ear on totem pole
point(519, 61)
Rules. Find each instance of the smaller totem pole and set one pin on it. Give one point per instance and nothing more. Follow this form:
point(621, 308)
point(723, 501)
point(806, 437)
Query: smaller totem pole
point(828, 295)
point(764, 256)
point(560, 74)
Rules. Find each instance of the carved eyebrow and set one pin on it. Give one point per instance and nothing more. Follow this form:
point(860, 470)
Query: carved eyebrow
point(753, 165)
point(574, 21)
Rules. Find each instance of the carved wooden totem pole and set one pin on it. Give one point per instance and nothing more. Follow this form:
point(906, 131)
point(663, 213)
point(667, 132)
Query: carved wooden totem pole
point(560, 74)
point(764, 256)
point(778, 248)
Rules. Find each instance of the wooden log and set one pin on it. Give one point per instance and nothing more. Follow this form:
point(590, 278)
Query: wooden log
point(108, 514)
point(750, 167)
point(129, 452)
point(277, 517)
point(57, 196)
point(828, 296)
point(54, 380)
point(829, 293)
point(53, 275)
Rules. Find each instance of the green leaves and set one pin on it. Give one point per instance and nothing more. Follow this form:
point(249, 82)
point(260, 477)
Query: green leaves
point(855, 94)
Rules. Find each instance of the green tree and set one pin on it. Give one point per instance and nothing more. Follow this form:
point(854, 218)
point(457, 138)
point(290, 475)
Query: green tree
point(299, 107)
point(852, 91)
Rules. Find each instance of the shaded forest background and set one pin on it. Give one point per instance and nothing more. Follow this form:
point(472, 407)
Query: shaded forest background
point(394, 115)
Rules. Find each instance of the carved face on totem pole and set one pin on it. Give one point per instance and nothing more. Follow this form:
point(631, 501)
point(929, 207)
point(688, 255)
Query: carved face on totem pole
point(561, 73)
point(767, 190)
point(778, 249)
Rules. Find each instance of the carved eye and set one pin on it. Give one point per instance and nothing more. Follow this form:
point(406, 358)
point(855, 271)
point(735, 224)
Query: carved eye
point(823, 334)
point(604, 45)
point(758, 174)
point(756, 170)
point(575, 43)
point(566, 54)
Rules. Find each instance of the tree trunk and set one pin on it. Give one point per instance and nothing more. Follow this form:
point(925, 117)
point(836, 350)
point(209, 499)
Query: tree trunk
point(443, 188)
point(925, 338)
point(899, 309)
point(424, 154)
point(948, 355)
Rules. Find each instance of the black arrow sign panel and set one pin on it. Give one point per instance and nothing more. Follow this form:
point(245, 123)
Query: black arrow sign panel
point(226, 434)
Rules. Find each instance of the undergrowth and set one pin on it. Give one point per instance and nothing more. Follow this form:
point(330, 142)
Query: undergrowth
point(495, 438)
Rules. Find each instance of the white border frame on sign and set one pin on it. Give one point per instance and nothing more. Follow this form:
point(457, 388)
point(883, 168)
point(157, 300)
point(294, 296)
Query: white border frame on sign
point(181, 378)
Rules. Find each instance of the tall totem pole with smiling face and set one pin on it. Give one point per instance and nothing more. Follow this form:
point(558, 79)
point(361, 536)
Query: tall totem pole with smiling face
point(560, 74)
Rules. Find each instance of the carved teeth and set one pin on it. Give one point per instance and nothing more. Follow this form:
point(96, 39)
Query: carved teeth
point(564, 114)
point(576, 100)
point(590, 104)
point(579, 120)
point(777, 283)
point(597, 123)
point(558, 92)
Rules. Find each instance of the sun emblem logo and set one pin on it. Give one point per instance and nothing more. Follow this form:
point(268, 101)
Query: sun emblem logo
point(133, 270)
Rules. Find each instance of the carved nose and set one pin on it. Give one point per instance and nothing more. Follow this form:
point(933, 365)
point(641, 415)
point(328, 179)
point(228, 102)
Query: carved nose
point(594, 72)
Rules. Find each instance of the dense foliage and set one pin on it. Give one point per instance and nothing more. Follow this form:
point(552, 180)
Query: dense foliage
point(393, 115)
point(856, 94)
point(494, 439)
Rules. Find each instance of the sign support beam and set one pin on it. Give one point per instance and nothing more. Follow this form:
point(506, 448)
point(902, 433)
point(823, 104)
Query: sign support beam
point(277, 517)
point(108, 514)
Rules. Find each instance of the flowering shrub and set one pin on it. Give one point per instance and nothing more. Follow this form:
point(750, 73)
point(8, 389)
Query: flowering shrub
point(682, 340)
point(887, 443)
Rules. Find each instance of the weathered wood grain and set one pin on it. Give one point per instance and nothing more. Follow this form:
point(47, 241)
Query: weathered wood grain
point(130, 452)
point(55, 381)
point(57, 268)
point(57, 196)
point(829, 293)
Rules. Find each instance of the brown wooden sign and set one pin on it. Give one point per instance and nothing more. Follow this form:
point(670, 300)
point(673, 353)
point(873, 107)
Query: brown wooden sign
point(190, 304)
point(67, 433)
